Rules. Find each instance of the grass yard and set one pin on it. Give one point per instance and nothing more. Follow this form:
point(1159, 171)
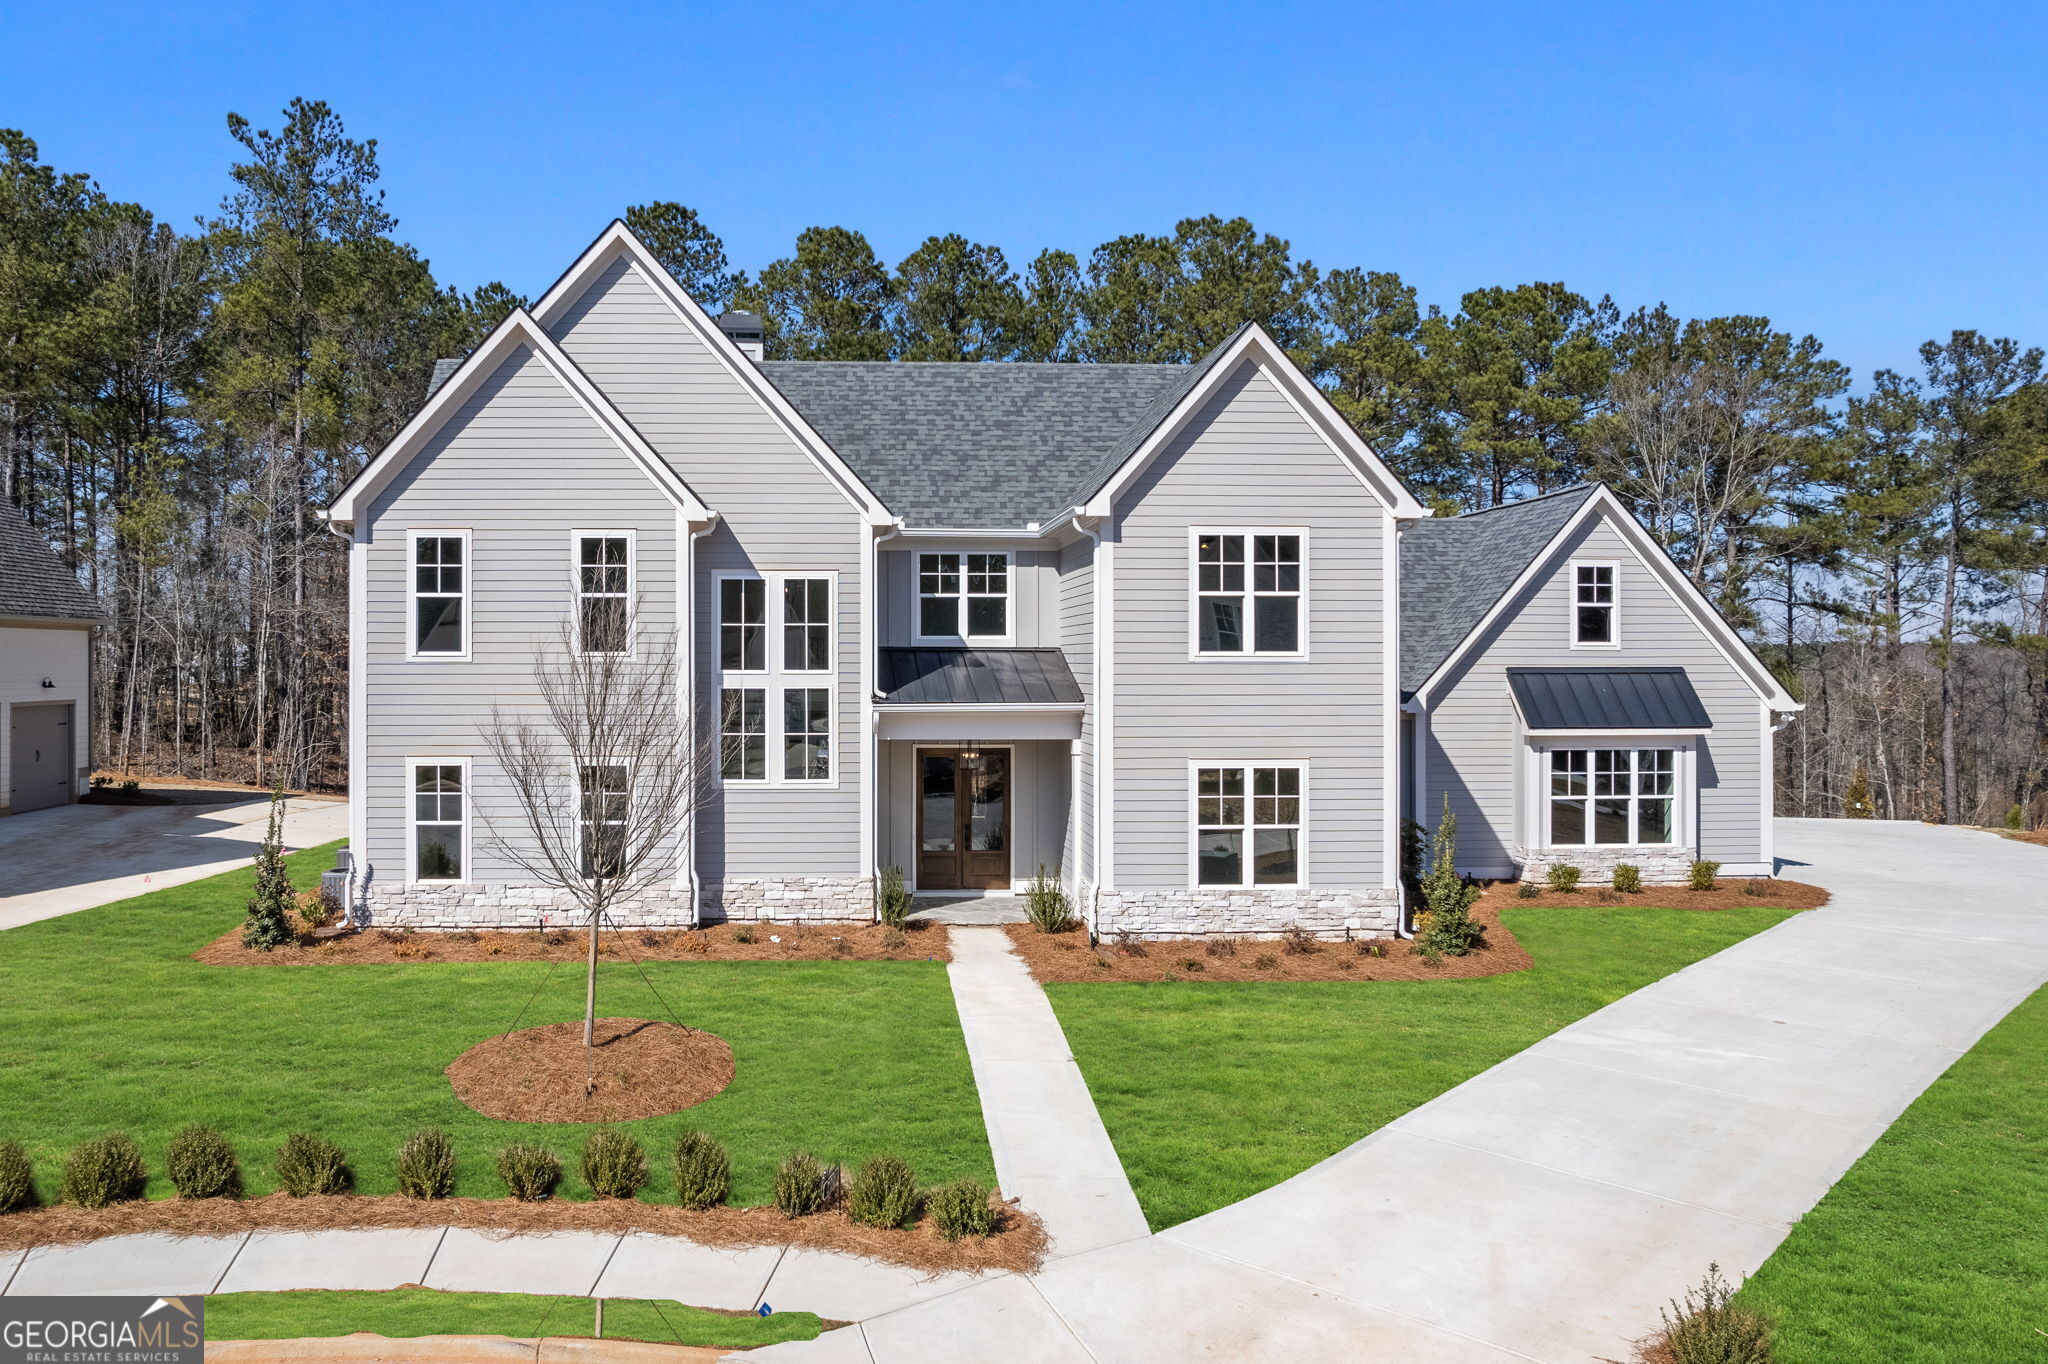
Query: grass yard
point(105, 1022)
point(406, 1312)
point(1212, 1092)
point(1933, 1249)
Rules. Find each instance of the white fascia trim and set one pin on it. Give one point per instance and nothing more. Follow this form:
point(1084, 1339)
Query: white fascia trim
point(359, 704)
point(1621, 738)
point(1307, 400)
point(618, 239)
point(519, 328)
point(1652, 556)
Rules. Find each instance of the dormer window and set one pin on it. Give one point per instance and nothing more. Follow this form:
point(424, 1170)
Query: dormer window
point(963, 598)
point(1593, 606)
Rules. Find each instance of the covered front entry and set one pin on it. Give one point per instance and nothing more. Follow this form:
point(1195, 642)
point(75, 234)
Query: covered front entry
point(964, 799)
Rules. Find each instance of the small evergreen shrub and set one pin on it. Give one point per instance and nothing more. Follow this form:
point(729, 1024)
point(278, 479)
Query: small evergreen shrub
point(103, 1171)
point(1527, 890)
point(1707, 1328)
point(1702, 874)
point(308, 1165)
point(960, 1209)
point(201, 1163)
point(529, 1172)
point(1447, 898)
point(743, 934)
point(1628, 879)
point(892, 898)
point(800, 1185)
point(1856, 801)
point(883, 1193)
point(426, 1164)
point(273, 907)
point(1562, 877)
point(614, 1165)
point(1046, 903)
point(2016, 819)
point(703, 1171)
point(895, 940)
point(17, 1178)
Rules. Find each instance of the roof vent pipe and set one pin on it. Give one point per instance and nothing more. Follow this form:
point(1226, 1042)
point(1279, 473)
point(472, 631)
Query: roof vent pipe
point(745, 331)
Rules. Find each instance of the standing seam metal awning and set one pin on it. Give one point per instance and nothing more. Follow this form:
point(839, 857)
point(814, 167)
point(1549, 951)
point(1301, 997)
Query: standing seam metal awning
point(1607, 698)
point(978, 677)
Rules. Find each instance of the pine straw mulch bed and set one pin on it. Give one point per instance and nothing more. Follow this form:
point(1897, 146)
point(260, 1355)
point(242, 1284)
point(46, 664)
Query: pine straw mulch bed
point(639, 1068)
point(1760, 893)
point(719, 942)
point(1018, 1244)
point(1066, 959)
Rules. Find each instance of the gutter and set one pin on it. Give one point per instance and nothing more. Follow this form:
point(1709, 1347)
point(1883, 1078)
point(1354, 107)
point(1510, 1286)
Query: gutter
point(687, 608)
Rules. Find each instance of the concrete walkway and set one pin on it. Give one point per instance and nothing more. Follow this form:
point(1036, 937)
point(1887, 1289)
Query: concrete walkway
point(73, 857)
point(1545, 1209)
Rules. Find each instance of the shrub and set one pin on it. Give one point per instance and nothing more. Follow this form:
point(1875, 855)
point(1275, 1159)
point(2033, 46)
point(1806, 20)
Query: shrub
point(104, 1170)
point(696, 942)
point(1297, 941)
point(1221, 947)
point(311, 908)
point(895, 940)
point(1447, 897)
point(2016, 819)
point(1527, 890)
point(426, 1164)
point(1628, 879)
point(892, 898)
point(614, 1165)
point(1562, 877)
point(1702, 874)
point(269, 924)
point(17, 1178)
point(744, 933)
point(529, 1172)
point(883, 1193)
point(800, 1185)
point(1856, 801)
point(1265, 961)
point(1129, 944)
point(1756, 889)
point(1046, 903)
point(202, 1164)
point(960, 1209)
point(1367, 947)
point(703, 1171)
point(307, 1164)
point(1191, 964)
point(1708, 1329)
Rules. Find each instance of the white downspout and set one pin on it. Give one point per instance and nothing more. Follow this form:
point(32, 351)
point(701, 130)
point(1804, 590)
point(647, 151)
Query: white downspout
point(871, 718)
point(1100, 636)
point(687, 609)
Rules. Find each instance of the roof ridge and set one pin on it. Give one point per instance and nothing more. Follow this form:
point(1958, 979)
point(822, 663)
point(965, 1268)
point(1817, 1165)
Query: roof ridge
point(1583, 485)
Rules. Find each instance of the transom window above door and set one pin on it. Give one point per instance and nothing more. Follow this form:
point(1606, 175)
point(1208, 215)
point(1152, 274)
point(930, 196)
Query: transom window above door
point(963, 596)
point(1613, 795)
point(1248, 592)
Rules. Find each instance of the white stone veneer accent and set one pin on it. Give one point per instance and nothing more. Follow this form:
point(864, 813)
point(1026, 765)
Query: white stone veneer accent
point(813, 899)
point(1659, 865)
point(1327, 912)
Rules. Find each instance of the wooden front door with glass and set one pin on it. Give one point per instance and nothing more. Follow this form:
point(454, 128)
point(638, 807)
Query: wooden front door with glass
point(963, 819)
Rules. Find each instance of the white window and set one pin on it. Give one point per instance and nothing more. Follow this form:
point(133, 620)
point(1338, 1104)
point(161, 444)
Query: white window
point(1613, 795)
point(1248, 592)
point(963, 597)
point(742, 625)
point(606, 798)
point(440, 594)
point(743, 734)
point(807, 734)
point(1593, 606)
point(604, 582)
point(440, 820)
point(806, 625)
point(1248, 825)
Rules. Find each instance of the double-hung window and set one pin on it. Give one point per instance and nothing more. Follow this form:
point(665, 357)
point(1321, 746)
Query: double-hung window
point(806, 733)
point(742, 625)
point(1248, 826)
point(806, 625)
point(440, 821)
point(753, 671)
point(440, 569)
point(1248, 592)
point(604, 576)
point(1593, 606)
point(743, 733)
point(607, 793)
point(964, 597)
point(1613, 795)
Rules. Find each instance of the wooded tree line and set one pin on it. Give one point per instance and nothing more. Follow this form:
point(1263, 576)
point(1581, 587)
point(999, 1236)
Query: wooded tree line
point(177, 405)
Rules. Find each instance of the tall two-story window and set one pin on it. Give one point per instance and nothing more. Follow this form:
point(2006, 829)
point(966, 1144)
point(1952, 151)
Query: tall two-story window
point(604, 577)
point(439, 821)
point(752, 612)
point(963, 597)
point(1247, 592)
point(1593, 606)
point(1613, 795)
point(1248, 826)
point(606, 793)
point(742, 625)
point(806, 625)
point(440, 571)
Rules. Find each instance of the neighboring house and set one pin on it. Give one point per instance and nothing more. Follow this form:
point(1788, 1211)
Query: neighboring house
point(1173, 634)
point(46, 622)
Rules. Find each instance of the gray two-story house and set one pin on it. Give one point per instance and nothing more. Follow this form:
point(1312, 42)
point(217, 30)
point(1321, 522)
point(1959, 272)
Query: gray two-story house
point(1173, 634)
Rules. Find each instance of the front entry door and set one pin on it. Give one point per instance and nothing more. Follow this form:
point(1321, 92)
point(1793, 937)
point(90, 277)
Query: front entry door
point(963, 819)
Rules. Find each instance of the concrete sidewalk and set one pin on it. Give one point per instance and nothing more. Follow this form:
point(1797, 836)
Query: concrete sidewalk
point(1545, 1209)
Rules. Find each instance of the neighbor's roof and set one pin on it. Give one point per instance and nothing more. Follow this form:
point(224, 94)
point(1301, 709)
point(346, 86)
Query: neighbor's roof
point(34, 581)
point(1453, 569)
point(1003, 444)
point(978, 677)
point(1607, 698)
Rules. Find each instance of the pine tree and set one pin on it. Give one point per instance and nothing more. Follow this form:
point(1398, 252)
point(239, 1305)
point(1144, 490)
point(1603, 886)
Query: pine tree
point(1446, 896)
point(1856, 803)
point(270, 909)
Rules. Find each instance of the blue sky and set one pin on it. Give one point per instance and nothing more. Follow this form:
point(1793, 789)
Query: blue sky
point(1873, 174)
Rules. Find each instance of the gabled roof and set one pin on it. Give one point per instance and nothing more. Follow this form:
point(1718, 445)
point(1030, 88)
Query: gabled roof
point(33, 580)
point(1453, 569)
point(977, 677)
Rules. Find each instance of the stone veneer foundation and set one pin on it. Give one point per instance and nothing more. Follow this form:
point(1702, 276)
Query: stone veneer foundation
point(813, 899)
point(1596, 865)
point(787, 899)
point(1335, 912)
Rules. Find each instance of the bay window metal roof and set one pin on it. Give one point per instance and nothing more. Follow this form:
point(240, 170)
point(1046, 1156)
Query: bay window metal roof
point(977, 677)
point(1607, 698)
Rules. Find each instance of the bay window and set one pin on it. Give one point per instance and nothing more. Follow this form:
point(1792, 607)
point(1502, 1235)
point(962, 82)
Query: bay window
point(1612, 796)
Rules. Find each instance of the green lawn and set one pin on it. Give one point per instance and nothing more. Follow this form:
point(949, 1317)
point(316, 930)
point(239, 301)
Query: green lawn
point(1933, 1249)
point(1214, 1091)
point(106, 1022)
point(425, 1312)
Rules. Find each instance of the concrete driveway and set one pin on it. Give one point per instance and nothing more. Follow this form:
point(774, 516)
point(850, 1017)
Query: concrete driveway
point(73, 857)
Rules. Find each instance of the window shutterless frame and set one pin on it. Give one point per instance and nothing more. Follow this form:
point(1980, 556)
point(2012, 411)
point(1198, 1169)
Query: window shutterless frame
point(1593, 620)
point(606, 794)
point(777, 641)
point(739, 606)
point(808, 605)
point(1248, 824)
point(437, 792)
point(1623, 791)
point(439, 592)
point(743, 735)
point(605, 567)
point(963, 597)
point(1248, 592)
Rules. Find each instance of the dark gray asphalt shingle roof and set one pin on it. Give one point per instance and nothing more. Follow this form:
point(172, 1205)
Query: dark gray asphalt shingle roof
point(985, 677)
point(1453, 569)
point(34, 581)
point(1607, 698)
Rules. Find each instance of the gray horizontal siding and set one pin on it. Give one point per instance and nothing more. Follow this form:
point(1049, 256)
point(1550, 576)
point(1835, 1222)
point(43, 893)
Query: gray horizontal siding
point(1034, 594)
